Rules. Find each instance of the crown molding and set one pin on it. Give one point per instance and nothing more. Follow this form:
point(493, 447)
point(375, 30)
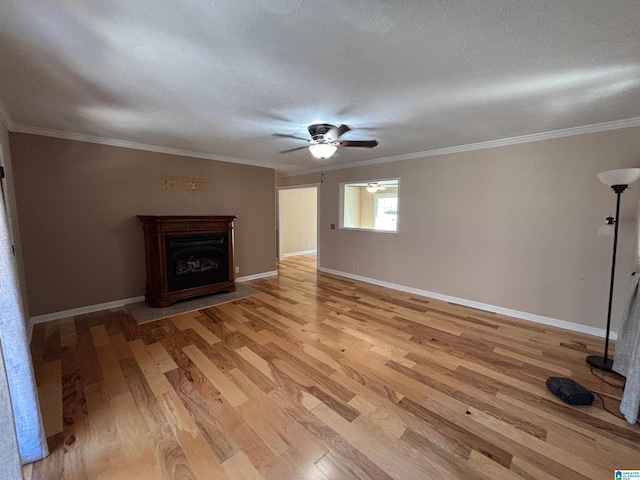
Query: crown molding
point(503, 142)
point(5, 118)
point(81, 137)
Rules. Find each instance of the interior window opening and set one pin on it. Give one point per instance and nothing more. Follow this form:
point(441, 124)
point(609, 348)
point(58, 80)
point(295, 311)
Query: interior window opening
point(370, 205)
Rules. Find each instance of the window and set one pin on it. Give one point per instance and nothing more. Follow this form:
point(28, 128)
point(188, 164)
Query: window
point(385, 211)
point(370, 205)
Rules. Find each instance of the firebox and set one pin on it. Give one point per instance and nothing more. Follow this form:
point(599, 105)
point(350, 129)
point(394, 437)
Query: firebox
point(196, 260)
point(187, 257)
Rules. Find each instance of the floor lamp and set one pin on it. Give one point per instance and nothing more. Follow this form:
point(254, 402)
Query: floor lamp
point(618, 180)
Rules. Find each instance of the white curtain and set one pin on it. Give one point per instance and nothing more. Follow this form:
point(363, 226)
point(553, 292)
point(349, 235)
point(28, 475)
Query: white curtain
point(13, 333)
point(627, 355)
point(10, 467)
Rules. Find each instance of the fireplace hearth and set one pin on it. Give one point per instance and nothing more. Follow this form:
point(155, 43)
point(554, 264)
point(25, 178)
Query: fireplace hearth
point(187, 256)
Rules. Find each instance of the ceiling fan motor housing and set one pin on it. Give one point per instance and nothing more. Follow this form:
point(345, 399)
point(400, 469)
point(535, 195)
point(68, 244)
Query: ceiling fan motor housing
point(319, 130)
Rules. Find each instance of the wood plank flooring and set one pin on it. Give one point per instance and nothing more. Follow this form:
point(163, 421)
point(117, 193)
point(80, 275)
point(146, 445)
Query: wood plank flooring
point(321, 377)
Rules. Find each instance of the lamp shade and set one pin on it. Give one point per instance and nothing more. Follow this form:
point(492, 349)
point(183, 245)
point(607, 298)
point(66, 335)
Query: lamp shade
point(623, 176)
point(324, 150)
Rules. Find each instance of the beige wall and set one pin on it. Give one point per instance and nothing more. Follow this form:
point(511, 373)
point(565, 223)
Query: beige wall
point(367, 217)
point(77, 204)
point(515, 226)
point(298, 219)
point(352, 208)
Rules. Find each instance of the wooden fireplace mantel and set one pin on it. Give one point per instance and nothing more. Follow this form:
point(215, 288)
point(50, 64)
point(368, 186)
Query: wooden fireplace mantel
point(156, 231)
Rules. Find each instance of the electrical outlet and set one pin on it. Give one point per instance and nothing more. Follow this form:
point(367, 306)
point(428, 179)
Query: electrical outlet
point(357, 268)
point(237, 269)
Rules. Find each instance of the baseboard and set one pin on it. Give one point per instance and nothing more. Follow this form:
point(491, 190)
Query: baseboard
point(531, 317)
point(257, 276)
point(48, 317)
point(303, 252)
point(82, 310)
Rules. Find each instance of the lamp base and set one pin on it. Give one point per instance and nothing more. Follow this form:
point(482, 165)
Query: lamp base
point(600, 362)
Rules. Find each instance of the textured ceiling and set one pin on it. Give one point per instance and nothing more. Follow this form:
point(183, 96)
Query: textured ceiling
point(219, 77)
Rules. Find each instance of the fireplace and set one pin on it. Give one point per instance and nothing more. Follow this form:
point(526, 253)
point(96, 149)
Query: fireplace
point(187, 256)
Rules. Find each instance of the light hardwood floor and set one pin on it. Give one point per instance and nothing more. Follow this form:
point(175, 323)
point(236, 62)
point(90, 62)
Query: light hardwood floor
point(321, 377)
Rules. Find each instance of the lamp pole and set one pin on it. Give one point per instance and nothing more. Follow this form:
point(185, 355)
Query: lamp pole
point(604, 362)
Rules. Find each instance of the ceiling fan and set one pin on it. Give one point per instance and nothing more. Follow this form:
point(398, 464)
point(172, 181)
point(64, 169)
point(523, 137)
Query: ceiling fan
point(373, 187)
point(325, 140)
point(370, 187)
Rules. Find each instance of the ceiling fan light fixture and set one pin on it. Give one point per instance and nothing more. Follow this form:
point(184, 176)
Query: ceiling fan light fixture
point(373, 187)
point(322, 150)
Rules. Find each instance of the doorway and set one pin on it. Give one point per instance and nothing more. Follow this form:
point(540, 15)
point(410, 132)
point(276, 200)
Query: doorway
point(298, 221)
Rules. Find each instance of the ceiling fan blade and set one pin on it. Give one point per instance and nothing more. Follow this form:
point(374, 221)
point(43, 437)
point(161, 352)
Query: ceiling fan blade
point(358, 143)
point(334, 133)
point(284, 135)
point(293, 149)
point(342, 129)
